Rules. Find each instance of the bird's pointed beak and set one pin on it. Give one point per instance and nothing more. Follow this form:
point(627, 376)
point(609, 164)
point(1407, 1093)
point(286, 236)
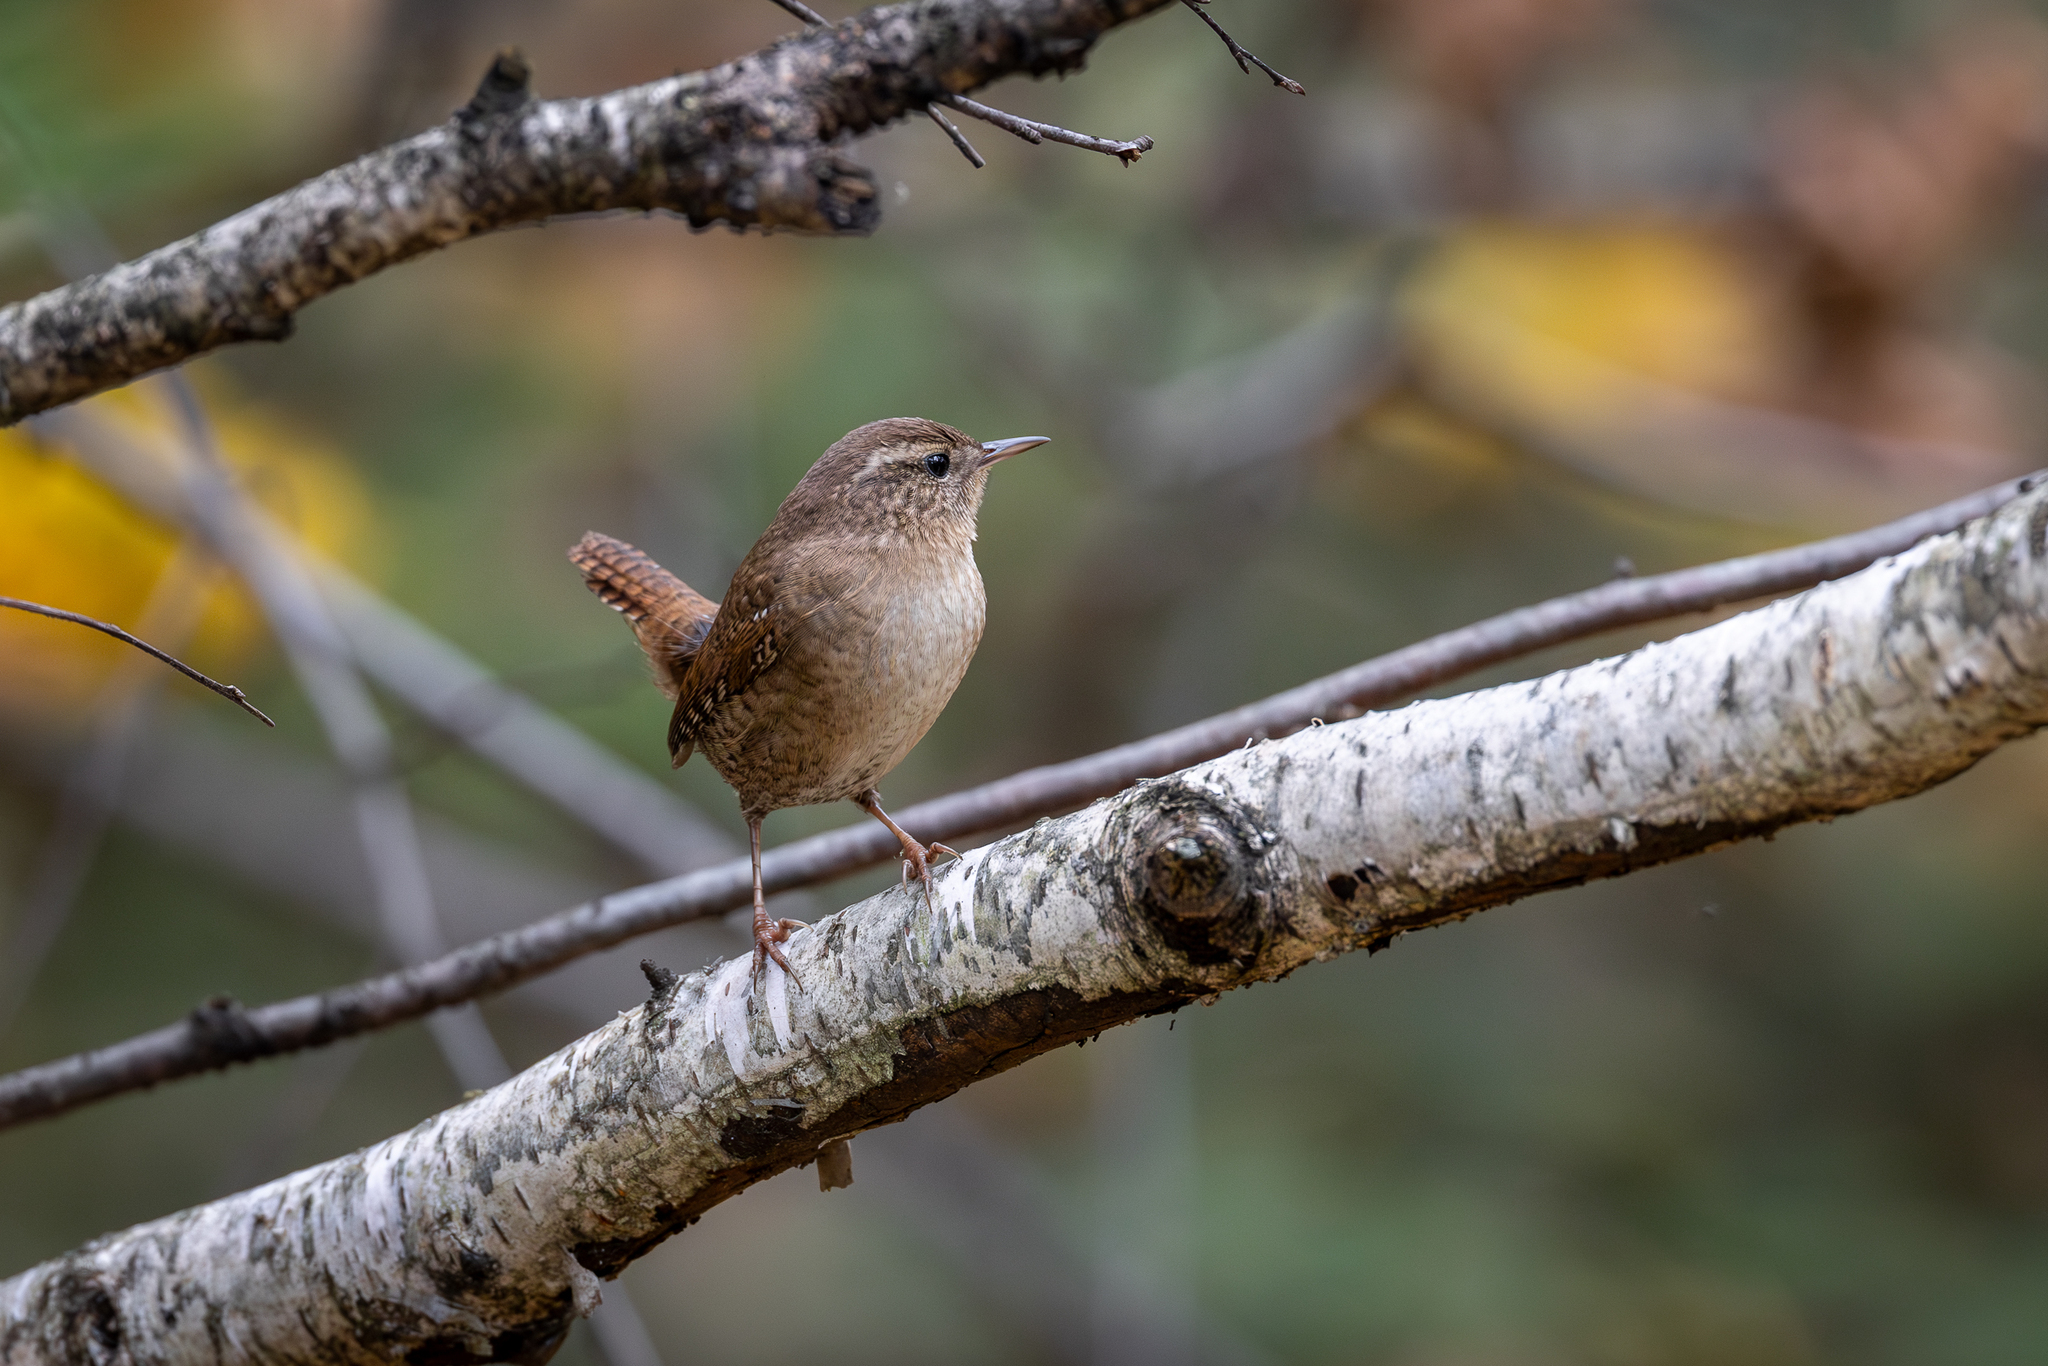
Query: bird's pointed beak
point(1009, 446)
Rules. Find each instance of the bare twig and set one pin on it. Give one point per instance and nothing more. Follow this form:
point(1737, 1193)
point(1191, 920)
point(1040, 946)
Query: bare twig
point(751, 143)
point(804, 12)
point(1199, 7)
point(1035, 132)
point(951, 130)
point(816, 20)
point(227, 690)
point(505, 960)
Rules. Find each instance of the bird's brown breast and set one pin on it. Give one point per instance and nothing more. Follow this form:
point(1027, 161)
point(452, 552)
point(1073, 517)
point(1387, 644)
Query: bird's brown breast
point(867, 650)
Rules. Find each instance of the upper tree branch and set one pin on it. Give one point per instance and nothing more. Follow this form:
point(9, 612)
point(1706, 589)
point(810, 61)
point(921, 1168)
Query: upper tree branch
point(520, 955)
point(477, 1235)
point(753, 143)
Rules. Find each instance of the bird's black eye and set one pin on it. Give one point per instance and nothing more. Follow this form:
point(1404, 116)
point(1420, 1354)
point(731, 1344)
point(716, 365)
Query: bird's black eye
point(937, 463)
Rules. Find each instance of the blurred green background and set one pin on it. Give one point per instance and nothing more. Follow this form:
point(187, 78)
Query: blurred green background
point(1523, 288)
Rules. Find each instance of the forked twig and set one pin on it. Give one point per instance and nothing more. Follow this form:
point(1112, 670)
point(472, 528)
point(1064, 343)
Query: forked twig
point(1027, 129)
point(1236, 51)
point(952, 131)
point(816, 20)
point(227, 690)
point(1032, 131)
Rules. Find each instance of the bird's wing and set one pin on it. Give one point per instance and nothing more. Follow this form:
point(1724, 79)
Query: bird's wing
point(745, 640)
point(774, 597)
point(670, 618)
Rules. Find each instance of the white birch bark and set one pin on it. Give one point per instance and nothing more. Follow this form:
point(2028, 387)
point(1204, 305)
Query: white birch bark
point(479, 1234)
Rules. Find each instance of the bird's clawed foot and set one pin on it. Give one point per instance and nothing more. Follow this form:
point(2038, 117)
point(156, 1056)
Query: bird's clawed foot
point(917, 858)
point(917, 865)
point(768, 935)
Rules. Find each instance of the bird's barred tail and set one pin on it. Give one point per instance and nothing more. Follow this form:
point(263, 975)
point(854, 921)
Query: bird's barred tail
point(669, 617)
point(623, 577)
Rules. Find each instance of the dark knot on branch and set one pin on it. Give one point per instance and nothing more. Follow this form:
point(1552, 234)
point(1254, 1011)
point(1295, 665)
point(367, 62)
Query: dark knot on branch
point(223, 1031)
point(1195, 872)
point(1195, 875)
point(660, 981)
point(505, 89)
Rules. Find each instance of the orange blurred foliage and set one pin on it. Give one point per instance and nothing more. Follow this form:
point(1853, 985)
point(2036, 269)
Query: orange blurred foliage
point(68, 541)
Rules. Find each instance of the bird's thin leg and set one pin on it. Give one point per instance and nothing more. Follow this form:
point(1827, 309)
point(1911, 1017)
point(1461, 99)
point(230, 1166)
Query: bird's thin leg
point(767, 933)
point(917, 858)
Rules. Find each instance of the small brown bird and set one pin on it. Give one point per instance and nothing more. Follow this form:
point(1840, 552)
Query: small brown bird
point(841, 639)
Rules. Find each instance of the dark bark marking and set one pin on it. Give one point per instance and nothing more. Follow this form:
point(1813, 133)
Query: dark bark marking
point(530, 1344)
point(221, 1030)
point(750, 1136)
point(660, 982)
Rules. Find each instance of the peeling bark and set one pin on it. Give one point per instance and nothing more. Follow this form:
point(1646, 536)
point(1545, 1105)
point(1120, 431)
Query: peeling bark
point(477, 1235)
point(753, 143)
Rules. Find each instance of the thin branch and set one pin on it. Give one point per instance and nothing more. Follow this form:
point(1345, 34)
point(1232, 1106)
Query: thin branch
point(476, 1235)
point(227, 690)
point(804, 12)
point(1199, 7)
point(1035, 132)
point(190, 1047)
point(752, 143)
point(952, 130)
point(816, 20)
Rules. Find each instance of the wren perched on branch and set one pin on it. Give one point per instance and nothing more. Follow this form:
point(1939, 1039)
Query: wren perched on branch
point(841, 639)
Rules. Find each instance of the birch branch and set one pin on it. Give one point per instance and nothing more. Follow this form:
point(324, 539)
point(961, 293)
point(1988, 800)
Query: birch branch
point(203, 1043)
point(479, 1234)
point(753, 143)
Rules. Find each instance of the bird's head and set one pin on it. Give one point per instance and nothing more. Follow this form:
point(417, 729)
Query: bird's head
point(904, 478)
